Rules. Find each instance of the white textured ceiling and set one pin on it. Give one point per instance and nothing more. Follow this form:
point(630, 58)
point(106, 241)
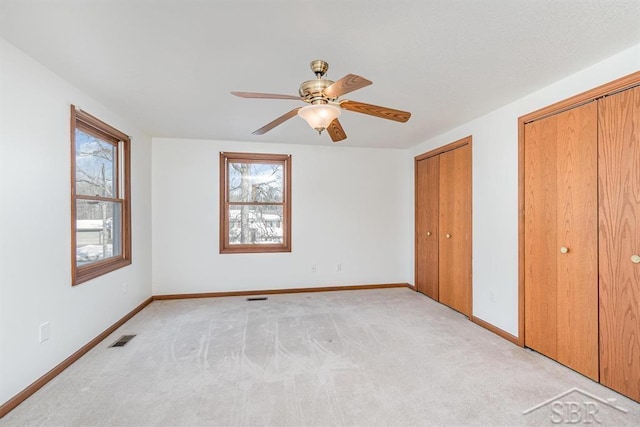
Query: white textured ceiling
point(169, 65)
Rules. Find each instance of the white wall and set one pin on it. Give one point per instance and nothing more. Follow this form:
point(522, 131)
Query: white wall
point(349, 206)
point(495, 186)
point(35, 230)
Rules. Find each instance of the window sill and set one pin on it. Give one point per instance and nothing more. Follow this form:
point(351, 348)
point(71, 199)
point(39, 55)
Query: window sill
point(254, 249)
point(97, 269)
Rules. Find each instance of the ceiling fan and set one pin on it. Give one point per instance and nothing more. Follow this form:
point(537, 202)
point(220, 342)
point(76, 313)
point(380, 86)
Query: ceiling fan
point(324, 107)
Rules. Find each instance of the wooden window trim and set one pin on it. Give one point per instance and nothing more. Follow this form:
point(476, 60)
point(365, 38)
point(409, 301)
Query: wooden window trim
point(90, 124)
point(285, 161)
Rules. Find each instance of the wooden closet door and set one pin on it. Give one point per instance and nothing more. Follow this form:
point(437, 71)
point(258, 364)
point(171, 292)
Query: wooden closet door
point(619, 194)
point(427, 206)
point(540, 236)
point(561, 258)
point(455, 229)
point(577, 212)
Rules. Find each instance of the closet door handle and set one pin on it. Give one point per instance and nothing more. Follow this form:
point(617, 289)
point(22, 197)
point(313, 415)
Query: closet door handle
point(564, 250)
point(448, 236)
point(635, 259)
point(428, 233)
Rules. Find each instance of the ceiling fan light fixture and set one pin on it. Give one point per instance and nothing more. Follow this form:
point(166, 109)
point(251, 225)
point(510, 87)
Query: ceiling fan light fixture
point(319, 116)
point(324, 109)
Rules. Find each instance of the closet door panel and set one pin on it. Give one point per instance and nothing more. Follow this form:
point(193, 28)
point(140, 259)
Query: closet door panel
point(577, 188)
point(540, 235)
point(619, 240)
point(455, 229)
point(427, 204)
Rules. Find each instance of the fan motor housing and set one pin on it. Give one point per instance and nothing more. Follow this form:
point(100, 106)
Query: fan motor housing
point(313, 90)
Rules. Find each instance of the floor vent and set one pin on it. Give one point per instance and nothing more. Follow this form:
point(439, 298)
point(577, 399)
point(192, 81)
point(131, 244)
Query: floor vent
point(122, 341)
point(257, 299)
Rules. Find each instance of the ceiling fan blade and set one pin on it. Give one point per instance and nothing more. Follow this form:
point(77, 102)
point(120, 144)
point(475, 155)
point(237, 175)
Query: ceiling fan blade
point(347, 84)
point(283, 118)
point(336, 132)
point(376, 110)
point(264, 95)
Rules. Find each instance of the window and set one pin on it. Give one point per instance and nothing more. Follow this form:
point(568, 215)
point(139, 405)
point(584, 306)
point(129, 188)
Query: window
point(255, 203)
point(100, 198)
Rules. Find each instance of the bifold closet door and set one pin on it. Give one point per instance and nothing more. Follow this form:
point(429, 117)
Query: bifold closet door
point(427, 204)
point(619, 242)
point(455, 229)
point(561, 230)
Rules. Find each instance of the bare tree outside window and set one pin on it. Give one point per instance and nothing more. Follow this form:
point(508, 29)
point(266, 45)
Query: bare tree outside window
point(95, 176)
point(255, 205)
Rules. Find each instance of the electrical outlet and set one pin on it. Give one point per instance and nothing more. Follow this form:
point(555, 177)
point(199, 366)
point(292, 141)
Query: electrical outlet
point(44, 332)
point(125, 288)
point(313, 268)
point(339, 267)
point(491, 297)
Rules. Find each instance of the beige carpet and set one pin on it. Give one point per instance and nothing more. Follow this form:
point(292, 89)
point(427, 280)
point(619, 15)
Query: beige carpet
point(358, 358)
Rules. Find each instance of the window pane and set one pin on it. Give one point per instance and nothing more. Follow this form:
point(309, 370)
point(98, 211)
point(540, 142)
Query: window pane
point(255, 182)
point(95, 166)
point(98, 231)
point(255, 225)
